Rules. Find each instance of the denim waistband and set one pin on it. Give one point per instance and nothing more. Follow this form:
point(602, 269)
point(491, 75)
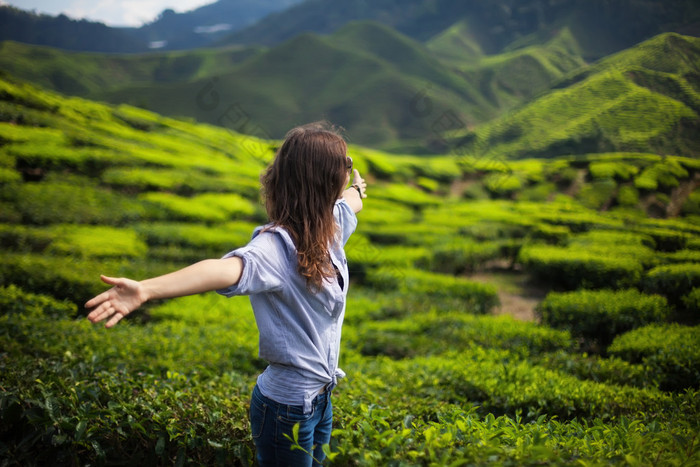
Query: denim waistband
point(319, 399)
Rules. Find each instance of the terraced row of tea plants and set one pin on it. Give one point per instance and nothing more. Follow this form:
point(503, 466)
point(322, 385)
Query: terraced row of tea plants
point(608, 373)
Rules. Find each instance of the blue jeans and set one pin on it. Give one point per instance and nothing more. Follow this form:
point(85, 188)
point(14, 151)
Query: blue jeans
point(270, 421)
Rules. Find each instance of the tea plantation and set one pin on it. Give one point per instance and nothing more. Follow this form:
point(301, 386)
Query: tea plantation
point(607, 373)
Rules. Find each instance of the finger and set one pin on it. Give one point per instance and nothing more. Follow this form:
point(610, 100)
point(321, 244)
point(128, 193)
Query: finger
point(101, 312)
point(111, 280)
point(356, 175)
point(116, 317)
point(104, 296)
point(95, 301)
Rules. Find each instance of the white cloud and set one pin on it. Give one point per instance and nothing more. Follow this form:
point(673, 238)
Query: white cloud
point(111, 12)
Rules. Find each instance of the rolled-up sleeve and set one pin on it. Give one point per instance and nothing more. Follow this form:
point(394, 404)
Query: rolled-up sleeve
point(264, 266)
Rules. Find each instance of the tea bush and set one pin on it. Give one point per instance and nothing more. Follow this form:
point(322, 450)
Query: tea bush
point(467, 295)
point(71, 277)
point(202, 208)
point(666, 239)
point(380, 211)
point(540, 192)
point(461, 437)
point(15, 300)
point(615, 238)
point(428, 184)
point(617, 244)
point(597, 194)
point(412, 234)
point(65, 202)
point(627, 196)
point(680, 256)
point(673, 280)
point(693, 243)
point(23, 133)
point(62, 157)
point(95, 241)
point(610, 370)
point(663, 174)
point(378, 421)
point(497, 381)
point(551, 234)
point(432, 332)
point(20, 238)
point(692, 300)
point(572, 268)
point(73, 392)
point(461, 256)
point(441, 169)
point(362, 256)
point(502, 185)
point(671, 351)
point(150, 179)
point(691, 205)
point(67, 411)
point(9, 176)
point(405, 194)
point(601, 315)
point(206, 241)
point(465, 215)
point(574, 216)
point(619, 170)
point(382, 166)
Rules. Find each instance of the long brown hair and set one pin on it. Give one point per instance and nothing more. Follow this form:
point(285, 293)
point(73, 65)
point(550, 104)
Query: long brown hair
point(300, 188)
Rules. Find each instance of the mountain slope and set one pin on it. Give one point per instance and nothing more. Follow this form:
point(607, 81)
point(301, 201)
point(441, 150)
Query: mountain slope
point(367, 87)
point(601, 26)
point(643, 99)
point(513, 77)
point(89, 74)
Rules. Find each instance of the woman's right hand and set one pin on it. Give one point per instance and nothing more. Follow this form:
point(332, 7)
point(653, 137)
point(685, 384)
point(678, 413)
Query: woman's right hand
point(354, 195)
point(125, 296)
point(360, 182)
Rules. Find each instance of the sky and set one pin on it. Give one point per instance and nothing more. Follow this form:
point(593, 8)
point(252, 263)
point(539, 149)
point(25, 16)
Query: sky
point(110, 12)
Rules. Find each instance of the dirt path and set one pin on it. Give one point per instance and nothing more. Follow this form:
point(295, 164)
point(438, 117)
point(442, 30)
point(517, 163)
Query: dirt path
point(518, 297)
point(680, 194)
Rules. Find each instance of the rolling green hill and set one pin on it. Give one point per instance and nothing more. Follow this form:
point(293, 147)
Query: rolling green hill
point(509, 78)
point(87, 74)
point(394, 93)
point(642, 99)
point(366, 77)
point(307, 78)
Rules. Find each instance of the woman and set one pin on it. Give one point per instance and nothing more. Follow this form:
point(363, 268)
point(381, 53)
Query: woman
point(295, 272)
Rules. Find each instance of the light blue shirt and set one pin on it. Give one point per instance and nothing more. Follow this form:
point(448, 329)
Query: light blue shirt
point(299, 330)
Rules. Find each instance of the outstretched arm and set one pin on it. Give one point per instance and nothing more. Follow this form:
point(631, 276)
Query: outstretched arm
point(354, 195)
point(127, 295)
